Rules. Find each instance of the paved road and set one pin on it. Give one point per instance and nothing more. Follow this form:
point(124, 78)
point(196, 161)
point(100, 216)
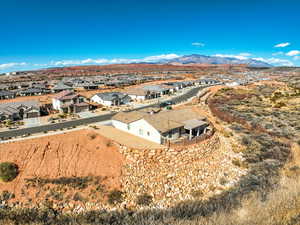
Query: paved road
point(69, 124)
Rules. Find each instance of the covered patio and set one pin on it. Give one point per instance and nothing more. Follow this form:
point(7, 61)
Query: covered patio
point(195, 127)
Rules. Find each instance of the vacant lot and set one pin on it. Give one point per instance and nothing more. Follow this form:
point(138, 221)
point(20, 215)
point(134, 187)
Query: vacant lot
point(48, 167)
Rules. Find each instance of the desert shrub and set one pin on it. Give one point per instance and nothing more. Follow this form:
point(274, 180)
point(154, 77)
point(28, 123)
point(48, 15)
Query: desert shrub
point(73, 182)
point(227, 134)
point(56, 195)
point(197, 194)
point(239, 163)
point(8, 171)
point(109, 144)
point(293, 171)
point(6, 195)
point(279, 104)
point(144, 199)
point(78, 197)
point(223, 181)
point(246, 141)
point(100, 188)
point(92, 136)
point(115, 197)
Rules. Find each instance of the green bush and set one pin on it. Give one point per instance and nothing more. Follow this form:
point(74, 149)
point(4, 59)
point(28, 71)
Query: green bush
point(8, 171)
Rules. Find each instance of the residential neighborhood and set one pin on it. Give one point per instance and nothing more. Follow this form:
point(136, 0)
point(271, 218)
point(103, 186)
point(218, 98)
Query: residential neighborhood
point(70, 97)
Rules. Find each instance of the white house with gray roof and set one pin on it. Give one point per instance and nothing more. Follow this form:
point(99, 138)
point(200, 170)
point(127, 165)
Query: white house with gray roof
point(163, 126)
point(111, 98)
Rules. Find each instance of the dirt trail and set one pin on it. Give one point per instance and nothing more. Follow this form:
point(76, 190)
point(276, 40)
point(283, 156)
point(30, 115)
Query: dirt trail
point(80, 153)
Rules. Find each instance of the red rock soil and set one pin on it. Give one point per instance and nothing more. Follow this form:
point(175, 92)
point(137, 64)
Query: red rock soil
point(79, 153)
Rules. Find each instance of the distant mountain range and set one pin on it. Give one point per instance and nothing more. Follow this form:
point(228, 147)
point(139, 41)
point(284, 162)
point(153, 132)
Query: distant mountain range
point(203, 59)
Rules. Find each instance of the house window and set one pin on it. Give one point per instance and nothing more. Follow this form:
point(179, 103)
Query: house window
point(148, 133)
point(128, 126)
point(141, 132)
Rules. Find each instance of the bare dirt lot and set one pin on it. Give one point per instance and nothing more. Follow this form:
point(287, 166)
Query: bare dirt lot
point(84, 154)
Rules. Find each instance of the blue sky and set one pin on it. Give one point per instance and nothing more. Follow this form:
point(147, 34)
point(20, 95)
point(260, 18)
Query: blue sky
point(37, 34)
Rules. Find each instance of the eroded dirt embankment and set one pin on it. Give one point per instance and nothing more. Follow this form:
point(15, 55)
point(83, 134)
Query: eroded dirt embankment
point(75, 154)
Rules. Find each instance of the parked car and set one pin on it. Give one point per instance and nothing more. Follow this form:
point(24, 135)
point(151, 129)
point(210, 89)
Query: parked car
point(165, 104)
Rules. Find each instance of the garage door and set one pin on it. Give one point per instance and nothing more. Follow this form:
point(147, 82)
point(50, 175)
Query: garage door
point(32, 114)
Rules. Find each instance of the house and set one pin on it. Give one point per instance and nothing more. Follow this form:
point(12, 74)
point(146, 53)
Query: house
point(175, 85)
point(111, 98)
point(163, 126)
point(69, 102)
point(158, 90)
point(3, 87)
point(87, 85)
point(23, 84)
point(61, 87)
point(80, 83)
point(33, 91)
point(207, 81)
point(19, 110)
point(138, 94)
point(7, 95)
point(149, 92)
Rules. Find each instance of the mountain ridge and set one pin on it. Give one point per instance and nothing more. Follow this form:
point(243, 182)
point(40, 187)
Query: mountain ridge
point(203, 59)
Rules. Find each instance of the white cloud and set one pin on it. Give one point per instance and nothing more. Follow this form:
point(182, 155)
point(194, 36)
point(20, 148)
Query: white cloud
point(282, 45)
point(114, 61)
point(297, 57)
point(40, 64)
point(278, 53)
point(276, 61)
point(198, 44)
point(246, 54)
point(97, 61)
point(293, 53)
point(160, 57)
point(90, 61)
point(240, 56)
point(11, 65)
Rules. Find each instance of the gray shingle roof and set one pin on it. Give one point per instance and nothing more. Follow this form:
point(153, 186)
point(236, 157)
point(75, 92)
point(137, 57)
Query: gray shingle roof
point(109, 96)
point(62, 86)
point(13, 107)
point(6, 93)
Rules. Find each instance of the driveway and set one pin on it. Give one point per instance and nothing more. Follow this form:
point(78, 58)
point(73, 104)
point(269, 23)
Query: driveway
point(127, 139)
point(32, 122)
point(86, 114)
